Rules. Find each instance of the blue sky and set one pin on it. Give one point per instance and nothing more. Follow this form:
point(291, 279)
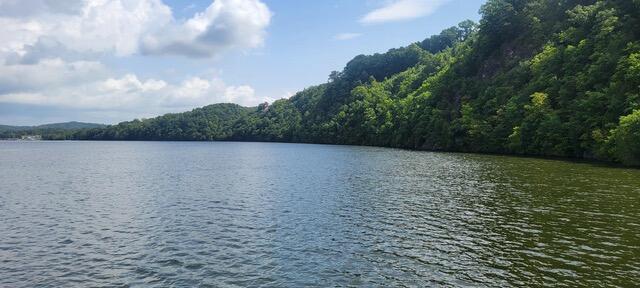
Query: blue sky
point(113, 60)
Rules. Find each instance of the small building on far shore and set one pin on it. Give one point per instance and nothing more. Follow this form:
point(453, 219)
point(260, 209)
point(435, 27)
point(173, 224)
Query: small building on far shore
point(31, 137)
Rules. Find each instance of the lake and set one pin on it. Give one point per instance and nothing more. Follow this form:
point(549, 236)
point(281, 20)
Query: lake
point(229, 214)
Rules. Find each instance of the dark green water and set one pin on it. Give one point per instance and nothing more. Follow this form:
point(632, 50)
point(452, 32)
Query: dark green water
point(257, 214)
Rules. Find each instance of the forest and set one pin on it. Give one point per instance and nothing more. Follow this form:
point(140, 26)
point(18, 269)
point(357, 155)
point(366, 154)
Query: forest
point(54, 131)
point(554, 78)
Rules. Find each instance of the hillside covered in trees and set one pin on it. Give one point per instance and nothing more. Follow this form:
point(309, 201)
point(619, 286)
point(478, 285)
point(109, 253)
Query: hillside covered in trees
point(53, 131)
point(534, 77)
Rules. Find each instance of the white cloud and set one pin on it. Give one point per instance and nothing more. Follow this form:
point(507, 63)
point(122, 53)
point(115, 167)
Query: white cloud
point(51, 53)
point(98, 26)
point(126, 27)
point(22, 8)
point(48, 73)
point(83, 85)
point(114, 25)
point(400, 10)
point(346, 36)
point(287, 95)
point(224, 25)
point(241, 94)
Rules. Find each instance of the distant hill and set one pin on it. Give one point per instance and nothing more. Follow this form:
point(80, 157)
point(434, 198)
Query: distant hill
point(213, 122)
point(61, 126)
point(13, 128)
point(70, 125)
point(57, 131)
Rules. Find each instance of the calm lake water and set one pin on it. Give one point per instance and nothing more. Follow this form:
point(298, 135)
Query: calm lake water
point(259, 214)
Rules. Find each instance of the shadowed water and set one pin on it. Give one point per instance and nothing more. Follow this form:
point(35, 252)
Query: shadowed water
point(257, 214)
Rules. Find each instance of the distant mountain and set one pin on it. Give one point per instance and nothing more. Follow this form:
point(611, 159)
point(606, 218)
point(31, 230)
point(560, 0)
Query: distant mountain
point(213, 122)
point(70, 125)
point(59, 126)
point(534, 77)
point(13, 128)
point(54, 131)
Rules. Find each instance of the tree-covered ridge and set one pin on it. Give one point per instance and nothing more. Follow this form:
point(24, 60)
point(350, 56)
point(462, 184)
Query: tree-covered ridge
point(536, 77)
point(213, 122)
point(63, 126)
point(54, 131)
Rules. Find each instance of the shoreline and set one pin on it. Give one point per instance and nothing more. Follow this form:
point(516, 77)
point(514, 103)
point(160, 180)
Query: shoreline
point(531, 156)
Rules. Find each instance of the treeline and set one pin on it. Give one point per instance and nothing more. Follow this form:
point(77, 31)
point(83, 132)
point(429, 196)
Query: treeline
point(54, 131)
point(534, 77)
point(213, 122)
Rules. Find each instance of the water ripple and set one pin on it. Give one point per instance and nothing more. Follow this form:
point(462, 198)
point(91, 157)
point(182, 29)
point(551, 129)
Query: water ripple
point(122, 214)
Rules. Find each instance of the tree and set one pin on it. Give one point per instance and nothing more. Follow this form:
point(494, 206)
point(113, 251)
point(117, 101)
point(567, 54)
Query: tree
point(626, 139)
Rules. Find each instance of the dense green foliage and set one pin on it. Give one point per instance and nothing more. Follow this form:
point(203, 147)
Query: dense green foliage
point(535, 77)
point(54, 131)
point(213, 122)
point(625, 139)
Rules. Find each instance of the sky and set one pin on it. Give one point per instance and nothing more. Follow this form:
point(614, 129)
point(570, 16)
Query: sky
point(106, 61)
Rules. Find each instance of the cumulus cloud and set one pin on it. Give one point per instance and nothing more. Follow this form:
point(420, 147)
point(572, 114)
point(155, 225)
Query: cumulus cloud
point(126, 27)
point(400, 10)
point(48, 73)
point(98, 26)
point(346, 36)
point(22, 8)
point(129, 93)
point(51, 53)
point(224, 25)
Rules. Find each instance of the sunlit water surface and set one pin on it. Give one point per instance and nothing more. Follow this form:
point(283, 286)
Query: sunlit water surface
point(258, 214)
